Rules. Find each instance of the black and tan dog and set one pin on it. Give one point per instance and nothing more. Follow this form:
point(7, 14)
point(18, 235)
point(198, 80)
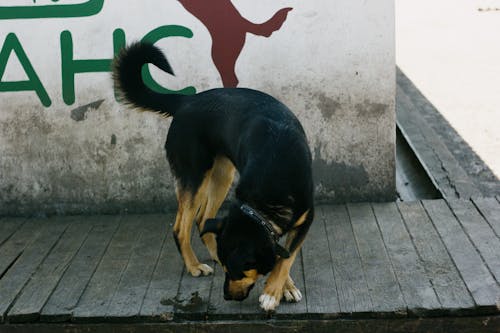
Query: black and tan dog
point(213, 134)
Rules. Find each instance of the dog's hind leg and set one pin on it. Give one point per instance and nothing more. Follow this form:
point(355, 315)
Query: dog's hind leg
point(222, 176)
point(191, 205)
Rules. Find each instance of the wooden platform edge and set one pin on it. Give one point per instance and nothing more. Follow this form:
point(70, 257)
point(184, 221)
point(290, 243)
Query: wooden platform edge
point(484, 324)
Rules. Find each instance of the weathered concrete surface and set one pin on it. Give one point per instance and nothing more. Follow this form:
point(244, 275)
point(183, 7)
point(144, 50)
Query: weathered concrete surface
point(331, 63)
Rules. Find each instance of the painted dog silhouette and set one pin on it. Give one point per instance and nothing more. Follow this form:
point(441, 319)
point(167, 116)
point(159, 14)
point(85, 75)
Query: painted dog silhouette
point(228, 30)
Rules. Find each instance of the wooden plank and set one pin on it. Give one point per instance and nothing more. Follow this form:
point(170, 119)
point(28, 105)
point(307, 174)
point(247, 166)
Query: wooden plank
point(128, 297)
point(15, 245)
point(475, 274)
point(158, 304)
point(219, 308)
point(350, 279)
point(70, 288)
point(449, 286)
point(34, 295)
point(450, 178)
point(194, 292)
point(417, 290)
point(95, 301)
point(8, 226)
point(490, 209)
point(480, 233)
point(446, 324)
point(19, 273)
point(384, 287)
point(320, 285)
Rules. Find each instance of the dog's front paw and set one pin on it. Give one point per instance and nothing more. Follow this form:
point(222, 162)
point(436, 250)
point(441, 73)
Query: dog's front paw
point(291, 292)
point(268, 302)
point(200, 269)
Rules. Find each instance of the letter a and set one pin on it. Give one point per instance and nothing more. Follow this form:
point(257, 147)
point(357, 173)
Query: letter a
point(33, 83)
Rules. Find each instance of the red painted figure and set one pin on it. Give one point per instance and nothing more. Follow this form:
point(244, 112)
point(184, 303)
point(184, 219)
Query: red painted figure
point(228, 30)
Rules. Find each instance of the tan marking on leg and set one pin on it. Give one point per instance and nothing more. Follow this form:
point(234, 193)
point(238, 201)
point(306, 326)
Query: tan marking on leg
point(301, 219)
point(190, 206)
point(222, 176)
point(279, 276)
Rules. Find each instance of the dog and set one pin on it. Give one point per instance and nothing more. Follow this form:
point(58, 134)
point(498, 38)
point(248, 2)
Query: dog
point(213, 134)
point(228, 29)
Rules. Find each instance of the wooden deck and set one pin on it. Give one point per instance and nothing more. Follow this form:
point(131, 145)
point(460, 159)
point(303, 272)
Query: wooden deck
point(392, 267)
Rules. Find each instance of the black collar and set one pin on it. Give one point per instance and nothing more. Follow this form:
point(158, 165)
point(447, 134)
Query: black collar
point(249, 211)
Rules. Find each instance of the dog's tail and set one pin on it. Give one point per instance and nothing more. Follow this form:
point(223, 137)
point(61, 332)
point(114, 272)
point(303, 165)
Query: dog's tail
point(127, 75)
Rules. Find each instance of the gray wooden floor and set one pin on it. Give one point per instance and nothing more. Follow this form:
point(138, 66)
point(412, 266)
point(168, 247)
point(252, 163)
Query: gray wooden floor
point(359, 261)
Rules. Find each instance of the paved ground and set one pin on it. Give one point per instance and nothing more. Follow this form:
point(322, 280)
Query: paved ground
point(450, 49)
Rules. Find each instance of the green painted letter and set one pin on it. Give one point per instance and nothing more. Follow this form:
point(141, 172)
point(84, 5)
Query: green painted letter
point(70, 67)
point(153, 37)
point(33, 83)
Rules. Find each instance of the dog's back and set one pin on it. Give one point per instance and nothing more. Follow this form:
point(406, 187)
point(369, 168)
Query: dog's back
point(260, 135)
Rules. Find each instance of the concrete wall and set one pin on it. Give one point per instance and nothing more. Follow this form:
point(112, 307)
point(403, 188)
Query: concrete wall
point(74, 149)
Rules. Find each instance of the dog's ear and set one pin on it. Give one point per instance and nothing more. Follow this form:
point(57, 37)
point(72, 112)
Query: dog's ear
point(282, 252)
point(212, 226)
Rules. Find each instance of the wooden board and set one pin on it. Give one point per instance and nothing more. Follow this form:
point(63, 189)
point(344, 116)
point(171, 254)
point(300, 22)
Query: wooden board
point(14, 246)
point(350, 279)
point(480, 233)
point(192, 300)
point(490, 209)
point(475, 274)
point(461, 324)
point(128, 297)
point(35, 293)
point(32, 256)
point(219, 308)
point(383, 286)
point(8, 226)
point(444, 276)
point(320, 285)
point(417, 290)
point(158, 304)
point(95, 301)
point(70, 288)
point(451, 179)
point(355, 261)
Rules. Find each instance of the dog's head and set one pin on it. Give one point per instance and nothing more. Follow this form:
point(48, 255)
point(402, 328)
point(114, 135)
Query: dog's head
point(245, 251)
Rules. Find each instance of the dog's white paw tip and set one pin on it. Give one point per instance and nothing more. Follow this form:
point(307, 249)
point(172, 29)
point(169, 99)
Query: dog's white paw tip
point(201, 269)
point(292, 295)
point(268, 302)
point(297, 295)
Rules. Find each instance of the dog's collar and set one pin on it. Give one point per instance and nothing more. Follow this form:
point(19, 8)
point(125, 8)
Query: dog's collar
point(249, 211)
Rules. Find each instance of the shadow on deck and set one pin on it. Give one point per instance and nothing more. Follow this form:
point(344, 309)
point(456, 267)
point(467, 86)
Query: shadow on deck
point(423, 266)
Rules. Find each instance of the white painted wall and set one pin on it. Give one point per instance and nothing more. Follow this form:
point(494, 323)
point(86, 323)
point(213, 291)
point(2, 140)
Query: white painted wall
point(332, 63)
